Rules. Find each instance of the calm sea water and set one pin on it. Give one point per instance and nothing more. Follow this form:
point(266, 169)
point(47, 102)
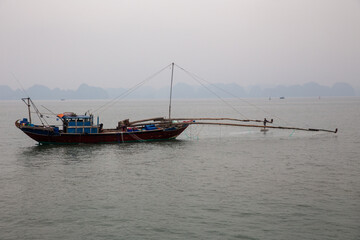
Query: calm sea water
point(211, 183)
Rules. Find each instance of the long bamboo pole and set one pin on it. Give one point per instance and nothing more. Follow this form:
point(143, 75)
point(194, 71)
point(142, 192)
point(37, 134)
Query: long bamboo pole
point(260, 126)
point(163, 121)
point(190, 119)
point(222, 119)
point(147, 120)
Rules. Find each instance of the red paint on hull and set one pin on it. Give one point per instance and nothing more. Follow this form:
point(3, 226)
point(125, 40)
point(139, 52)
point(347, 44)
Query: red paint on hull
point(107, 137)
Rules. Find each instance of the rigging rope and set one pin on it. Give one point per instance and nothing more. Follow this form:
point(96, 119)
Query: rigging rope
point(38, 113)
point(21, 87)
point(129, 91)
point(195, 77)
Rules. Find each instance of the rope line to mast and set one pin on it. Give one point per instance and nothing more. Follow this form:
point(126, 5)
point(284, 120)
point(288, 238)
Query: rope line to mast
point(38, 113)
point(196, 77)
point(129, 91)
point(19, 83)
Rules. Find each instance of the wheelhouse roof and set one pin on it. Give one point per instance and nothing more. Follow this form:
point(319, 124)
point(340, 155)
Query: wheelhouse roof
point(77, 117)
point(68, 115)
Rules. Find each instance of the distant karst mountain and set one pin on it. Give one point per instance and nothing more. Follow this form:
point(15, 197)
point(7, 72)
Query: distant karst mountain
point(42, 92)
point(181, 90)
point(311, 89)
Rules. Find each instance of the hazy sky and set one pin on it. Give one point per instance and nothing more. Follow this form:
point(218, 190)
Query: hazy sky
point(64, 43)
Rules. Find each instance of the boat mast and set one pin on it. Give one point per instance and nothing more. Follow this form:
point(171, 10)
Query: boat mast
point(28, 105)
point(172, 78)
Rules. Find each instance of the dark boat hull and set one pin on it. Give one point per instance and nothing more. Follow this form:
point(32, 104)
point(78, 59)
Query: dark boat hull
point(47, 136)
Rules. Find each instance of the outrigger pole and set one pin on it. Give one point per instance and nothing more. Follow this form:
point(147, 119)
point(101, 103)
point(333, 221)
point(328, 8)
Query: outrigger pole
point(162, 119)
point(224, 119)
point(193, 121)
point(260, 126)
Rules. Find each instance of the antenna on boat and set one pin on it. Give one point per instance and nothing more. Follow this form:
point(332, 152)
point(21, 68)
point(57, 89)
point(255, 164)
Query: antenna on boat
point(172, 79)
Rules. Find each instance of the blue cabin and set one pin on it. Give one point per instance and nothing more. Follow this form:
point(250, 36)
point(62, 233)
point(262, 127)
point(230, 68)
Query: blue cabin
point(81, 124)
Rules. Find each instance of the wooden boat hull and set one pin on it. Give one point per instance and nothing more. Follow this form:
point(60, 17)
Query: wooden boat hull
point(45, 135)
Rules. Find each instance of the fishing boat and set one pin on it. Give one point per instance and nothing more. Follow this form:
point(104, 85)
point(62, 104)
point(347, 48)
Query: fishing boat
point(77, 129)
point(81, 129)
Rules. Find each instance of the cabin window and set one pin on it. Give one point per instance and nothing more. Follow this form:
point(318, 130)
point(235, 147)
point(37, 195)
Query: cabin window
point(80, 122)
point(72, 123)
point(87, 122)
